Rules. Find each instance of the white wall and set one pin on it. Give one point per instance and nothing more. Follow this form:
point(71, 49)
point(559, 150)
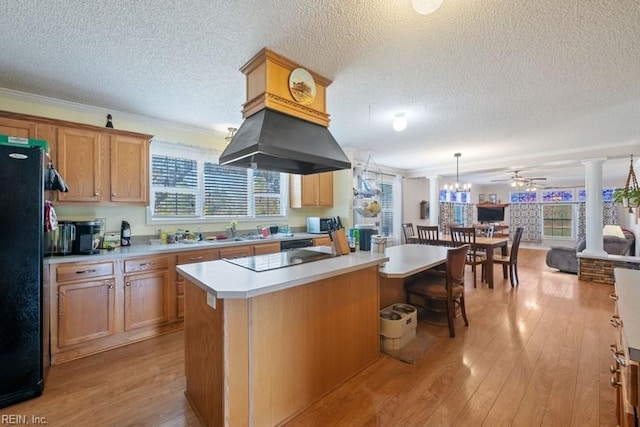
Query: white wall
point(414, 190)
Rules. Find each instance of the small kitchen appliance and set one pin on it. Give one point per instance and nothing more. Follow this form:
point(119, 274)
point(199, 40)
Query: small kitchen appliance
point(60, 241)
point(87, 240)
point(317, 225)
point(125, 234)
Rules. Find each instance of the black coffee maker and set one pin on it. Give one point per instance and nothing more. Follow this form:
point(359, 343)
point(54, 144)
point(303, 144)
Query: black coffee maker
point(87, 240)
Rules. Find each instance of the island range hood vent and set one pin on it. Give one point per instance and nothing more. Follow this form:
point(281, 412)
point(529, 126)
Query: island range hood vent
point(275, 141)
point(285, 126)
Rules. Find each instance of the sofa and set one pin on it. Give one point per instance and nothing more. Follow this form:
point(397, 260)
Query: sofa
point(565, 258)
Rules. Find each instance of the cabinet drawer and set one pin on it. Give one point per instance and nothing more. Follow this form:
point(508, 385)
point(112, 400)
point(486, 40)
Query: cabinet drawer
point(197, 256)
point(146, 264)
point(237, 252)
point(266, 248)
point(68, 272)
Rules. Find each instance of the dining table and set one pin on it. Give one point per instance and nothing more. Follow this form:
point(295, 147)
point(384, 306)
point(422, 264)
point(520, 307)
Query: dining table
point(406, 261)
point(487, 244)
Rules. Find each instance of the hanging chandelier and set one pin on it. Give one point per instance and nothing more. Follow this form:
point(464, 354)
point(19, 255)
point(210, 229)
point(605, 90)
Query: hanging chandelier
point(457, 186)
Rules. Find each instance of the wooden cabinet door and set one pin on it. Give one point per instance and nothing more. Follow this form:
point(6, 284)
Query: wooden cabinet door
point(86, 311)
point(266, 248)
point(129, 169)
point(310, 189)
point(325, 189)
point(146, 299)
point(79, 163)
point(19, 128)
point(236, 252)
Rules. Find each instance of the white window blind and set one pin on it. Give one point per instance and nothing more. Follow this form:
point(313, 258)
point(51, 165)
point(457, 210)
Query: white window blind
point(188, 182)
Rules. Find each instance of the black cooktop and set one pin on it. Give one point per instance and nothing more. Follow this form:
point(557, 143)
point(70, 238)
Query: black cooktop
point(279, 260)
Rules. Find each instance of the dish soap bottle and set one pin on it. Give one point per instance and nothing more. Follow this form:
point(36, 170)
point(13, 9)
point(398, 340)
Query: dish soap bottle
point(125, 234)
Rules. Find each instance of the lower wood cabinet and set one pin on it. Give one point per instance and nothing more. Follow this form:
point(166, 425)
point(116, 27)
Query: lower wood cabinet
point(96, 306)
point(146, 295)
point(86, 311)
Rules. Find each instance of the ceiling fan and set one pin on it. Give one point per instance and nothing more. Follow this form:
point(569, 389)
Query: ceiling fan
point(519, 181)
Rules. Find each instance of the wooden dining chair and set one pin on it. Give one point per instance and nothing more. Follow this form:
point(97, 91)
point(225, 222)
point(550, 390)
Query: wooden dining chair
point(512, 259)
point(447, 288)
point(467, 235)
point(407, 229)
point(428, 234)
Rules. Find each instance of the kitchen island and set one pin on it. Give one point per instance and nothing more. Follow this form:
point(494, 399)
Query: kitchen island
point(262, 346)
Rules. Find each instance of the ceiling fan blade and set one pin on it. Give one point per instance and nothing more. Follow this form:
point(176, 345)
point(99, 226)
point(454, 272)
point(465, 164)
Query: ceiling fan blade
point(501, 180)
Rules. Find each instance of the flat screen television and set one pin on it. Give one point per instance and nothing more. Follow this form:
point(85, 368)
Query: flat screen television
point(490, 214)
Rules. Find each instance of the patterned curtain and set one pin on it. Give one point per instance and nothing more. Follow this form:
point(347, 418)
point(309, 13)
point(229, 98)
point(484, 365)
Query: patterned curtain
point(609, 216)
point(469, 210)
point(446, 214)
point(529, 216)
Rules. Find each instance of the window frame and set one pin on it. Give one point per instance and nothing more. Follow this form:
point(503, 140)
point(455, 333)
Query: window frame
point(204, 155)
point(571, 228)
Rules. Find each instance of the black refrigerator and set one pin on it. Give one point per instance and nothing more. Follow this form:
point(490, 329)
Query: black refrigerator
point(24, 314)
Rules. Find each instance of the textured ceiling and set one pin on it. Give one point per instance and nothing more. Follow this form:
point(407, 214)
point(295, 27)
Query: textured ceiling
point(508, 83)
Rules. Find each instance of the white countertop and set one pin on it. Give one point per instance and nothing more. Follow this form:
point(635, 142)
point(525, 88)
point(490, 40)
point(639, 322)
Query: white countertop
point(225, 280)
point(148, 249)
point(407, 260)
point(627, 287)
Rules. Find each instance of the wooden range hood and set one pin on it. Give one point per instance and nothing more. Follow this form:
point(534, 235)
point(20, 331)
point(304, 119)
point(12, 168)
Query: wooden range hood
point(285, 127)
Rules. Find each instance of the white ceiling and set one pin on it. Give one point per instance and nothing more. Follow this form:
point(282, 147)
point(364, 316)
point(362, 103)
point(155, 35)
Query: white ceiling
point(511, 84)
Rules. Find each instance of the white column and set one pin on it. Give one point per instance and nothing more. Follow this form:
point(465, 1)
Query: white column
point(593, 185)
point(434, 204)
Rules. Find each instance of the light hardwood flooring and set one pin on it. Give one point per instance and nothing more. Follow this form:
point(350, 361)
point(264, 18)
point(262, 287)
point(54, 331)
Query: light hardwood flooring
point(531, 356)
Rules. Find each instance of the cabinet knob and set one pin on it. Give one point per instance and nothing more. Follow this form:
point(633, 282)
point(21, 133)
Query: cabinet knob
point(614, 382)
point(110, 285)
point(96, 194)
point(613, 369)
point(113, 194)
point(128, 284)
point(613, 297)
point(615, 321)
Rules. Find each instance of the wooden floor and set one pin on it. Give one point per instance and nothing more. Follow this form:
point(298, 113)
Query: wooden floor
point(531, 356)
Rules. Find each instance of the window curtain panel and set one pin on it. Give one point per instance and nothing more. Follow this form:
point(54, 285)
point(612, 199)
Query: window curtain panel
point(609, 217)
point(446, 214)
point(469, 210)
point(528, 216)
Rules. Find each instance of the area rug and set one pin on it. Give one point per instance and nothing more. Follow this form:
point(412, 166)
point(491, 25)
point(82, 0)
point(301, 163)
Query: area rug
point(414, 349)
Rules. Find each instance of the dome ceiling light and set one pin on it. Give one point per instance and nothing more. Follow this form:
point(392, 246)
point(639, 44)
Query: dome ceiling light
point(426, 7)
point(400, 122)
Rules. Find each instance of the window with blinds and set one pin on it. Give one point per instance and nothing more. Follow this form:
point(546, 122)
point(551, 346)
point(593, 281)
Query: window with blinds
point(188, 182)
point(386, 214)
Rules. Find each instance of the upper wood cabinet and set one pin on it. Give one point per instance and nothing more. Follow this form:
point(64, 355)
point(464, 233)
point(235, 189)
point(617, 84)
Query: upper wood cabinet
point(103, 168)
point(28, 129)
point(98, 164)
point(315, 190)
point(20, 128)
point(79, 163)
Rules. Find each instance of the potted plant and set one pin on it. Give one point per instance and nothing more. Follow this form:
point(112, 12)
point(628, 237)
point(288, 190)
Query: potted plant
point(629, 197)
